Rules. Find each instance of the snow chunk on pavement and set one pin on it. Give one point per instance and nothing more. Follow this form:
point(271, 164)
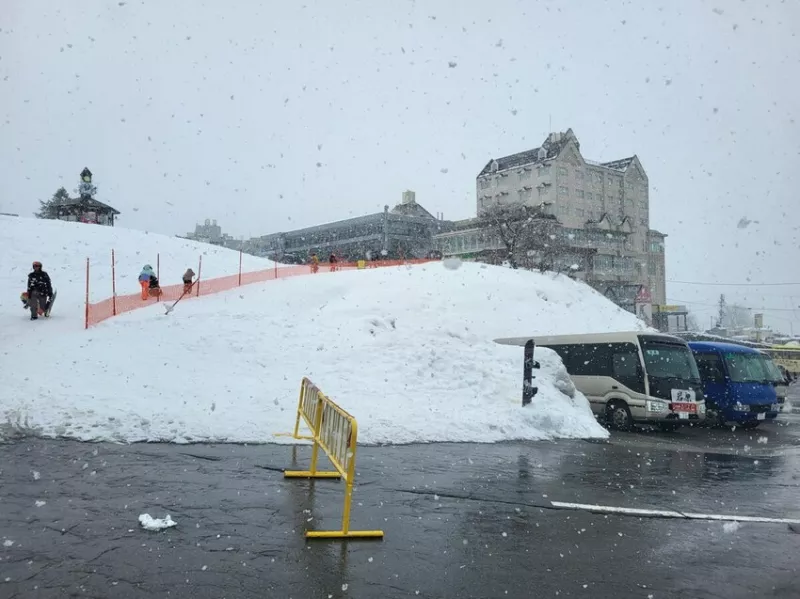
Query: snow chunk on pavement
point(731, 526)
point(8, 543)
point(40, 503)
point(150, 523)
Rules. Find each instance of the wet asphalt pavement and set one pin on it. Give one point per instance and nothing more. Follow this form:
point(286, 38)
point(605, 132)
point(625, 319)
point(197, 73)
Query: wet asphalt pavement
point(461, 521)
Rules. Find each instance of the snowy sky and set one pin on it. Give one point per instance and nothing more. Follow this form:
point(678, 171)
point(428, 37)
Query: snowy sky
point(268, 116)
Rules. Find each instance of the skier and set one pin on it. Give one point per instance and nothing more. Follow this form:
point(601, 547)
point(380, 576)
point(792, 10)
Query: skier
point(314, 262)
point(149, 282)
point(187, 281)
point(40, 291)
point(332, 260)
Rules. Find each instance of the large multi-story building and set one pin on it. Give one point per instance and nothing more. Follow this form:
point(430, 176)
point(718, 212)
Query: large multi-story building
point(405, 231)
point(601, 206)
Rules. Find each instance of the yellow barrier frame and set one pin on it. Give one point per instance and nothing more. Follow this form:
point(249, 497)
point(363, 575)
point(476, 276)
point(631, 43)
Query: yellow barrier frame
point(335, 431)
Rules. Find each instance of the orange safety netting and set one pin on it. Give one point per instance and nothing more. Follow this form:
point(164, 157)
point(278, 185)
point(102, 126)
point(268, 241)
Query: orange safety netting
point(109, 307)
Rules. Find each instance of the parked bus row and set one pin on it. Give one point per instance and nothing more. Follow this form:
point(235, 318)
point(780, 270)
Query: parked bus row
point(647, 378)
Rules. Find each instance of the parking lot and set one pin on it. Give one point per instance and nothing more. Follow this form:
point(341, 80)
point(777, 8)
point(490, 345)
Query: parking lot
point(461, 520)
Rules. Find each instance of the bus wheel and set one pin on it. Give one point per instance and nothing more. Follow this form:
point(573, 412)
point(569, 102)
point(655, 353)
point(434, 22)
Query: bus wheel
point(618, 415)
point(750, 424)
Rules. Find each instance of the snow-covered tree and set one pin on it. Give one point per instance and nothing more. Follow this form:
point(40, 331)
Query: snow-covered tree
point(48, 208)
point(532, 238)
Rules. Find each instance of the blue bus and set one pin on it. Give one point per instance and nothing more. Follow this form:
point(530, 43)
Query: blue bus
point(737, 384)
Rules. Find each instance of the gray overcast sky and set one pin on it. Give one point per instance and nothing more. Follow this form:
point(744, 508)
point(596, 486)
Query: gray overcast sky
point(268, 116)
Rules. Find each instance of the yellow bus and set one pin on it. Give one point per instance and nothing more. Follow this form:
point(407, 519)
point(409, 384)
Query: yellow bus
point(787, 356)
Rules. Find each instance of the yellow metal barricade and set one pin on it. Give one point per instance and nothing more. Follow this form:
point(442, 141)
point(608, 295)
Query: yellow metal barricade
point(336, 432)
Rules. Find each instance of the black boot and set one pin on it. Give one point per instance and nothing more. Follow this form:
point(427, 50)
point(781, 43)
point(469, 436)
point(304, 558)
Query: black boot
point(34, 317)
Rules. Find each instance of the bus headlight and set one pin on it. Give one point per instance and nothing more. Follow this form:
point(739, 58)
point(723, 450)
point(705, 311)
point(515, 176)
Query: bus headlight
point(740, 407)
point(657, 406)
point(701, 407)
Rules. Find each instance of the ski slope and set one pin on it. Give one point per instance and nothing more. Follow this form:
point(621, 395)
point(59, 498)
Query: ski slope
point(63, 247)
point(407, 350)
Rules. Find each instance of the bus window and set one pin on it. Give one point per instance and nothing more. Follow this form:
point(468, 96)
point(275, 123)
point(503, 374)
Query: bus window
point(746, 368)
point(711, 369)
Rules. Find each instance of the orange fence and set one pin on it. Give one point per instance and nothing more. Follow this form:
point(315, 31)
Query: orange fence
point(119, 304)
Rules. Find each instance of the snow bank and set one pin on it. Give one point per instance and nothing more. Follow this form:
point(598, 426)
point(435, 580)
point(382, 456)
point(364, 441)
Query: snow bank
point(407, 350)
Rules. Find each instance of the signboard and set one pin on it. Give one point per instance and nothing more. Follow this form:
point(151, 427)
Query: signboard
point(759, 320)
point(643, 296)
point(670, 308)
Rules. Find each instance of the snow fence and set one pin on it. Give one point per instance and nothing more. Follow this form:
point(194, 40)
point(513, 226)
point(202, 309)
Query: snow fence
point(115, 305)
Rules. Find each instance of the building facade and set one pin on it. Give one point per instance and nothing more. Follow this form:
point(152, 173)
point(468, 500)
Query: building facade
point(85, 208)
point(211, 232)
point(405, 231)
point(601, 206)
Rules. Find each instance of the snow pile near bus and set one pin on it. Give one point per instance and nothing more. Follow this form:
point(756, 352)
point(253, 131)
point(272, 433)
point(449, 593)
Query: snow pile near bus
point(407, 350)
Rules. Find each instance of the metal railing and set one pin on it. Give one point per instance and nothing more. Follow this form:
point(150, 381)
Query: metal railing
point(334, 431)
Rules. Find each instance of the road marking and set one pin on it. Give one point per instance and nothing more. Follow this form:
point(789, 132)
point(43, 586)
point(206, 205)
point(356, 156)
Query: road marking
point(629, 511)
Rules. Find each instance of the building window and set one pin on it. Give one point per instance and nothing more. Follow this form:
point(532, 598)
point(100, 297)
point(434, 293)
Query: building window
point(643, 204)
point(589, 197)
point(564, 209)
point(579, 193)
point(629, 205)
point(643, 222)
point(598, 178)
point(544, 170)
point(524, 194)
point(610, 198)
point(629, 185)
point(562, 171)
point(563, 191)
point(578, 175)
point(580, 211)
point(484, 183)
point(523, 175)
point(543, 191)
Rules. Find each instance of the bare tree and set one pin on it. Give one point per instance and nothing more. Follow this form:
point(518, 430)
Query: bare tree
point(532, 239)
point(737, 317)
point(692, 323)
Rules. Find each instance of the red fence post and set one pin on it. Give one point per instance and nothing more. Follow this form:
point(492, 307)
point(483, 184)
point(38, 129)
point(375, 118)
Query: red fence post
point(113, 284)
point(276, 269)
point(199, 270)
point(86, 317)
point(240, 268)
point(158, 267)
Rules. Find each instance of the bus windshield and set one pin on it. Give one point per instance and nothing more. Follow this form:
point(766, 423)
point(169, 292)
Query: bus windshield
point(669, 361)
point(747, 368)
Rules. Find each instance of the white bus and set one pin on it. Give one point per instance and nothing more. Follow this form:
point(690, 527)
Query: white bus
point(631, 377)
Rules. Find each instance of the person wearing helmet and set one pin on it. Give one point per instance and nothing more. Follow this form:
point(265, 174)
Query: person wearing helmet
point(149, 282)
point(40, 290)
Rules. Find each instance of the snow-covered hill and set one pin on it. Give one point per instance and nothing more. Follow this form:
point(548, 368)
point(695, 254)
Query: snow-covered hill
point(63, 248)
point(408, 350)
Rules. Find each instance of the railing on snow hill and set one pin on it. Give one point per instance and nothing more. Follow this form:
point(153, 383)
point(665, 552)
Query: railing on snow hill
point(96, 313)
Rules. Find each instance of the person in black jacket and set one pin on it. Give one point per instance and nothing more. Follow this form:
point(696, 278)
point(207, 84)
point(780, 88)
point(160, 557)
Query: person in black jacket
point(40, 290)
